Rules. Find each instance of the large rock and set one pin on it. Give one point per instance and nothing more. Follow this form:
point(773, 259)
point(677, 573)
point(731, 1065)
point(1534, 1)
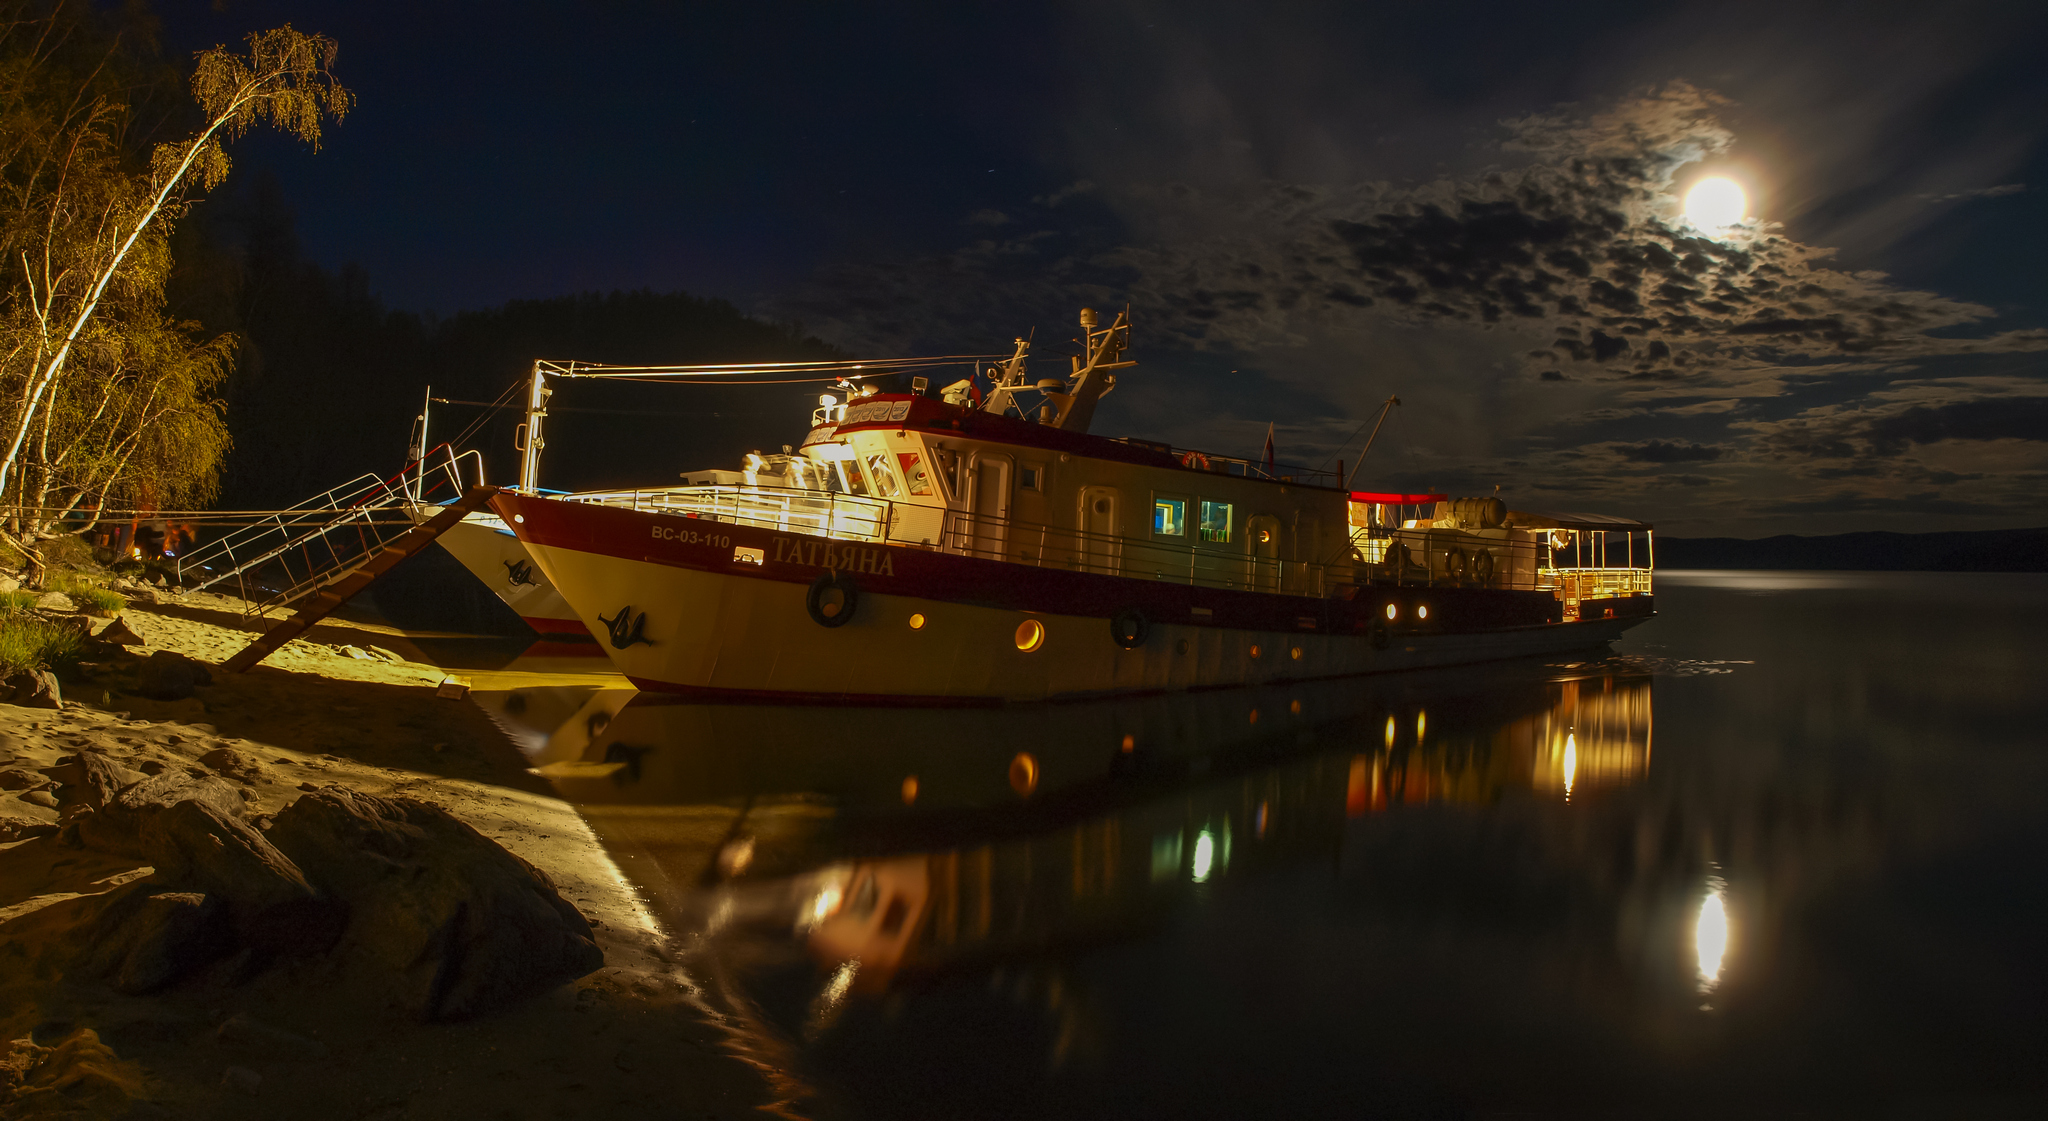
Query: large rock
point(32, 688)
point(151, 937)
point(55, 601)
point(168, 676)
point(119, 633)
point(79, 1077)
point(93, 779)
point(270, 906)
point(121, 824)
point(461, 925)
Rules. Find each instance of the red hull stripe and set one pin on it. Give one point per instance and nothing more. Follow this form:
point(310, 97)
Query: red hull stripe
point(796, 558)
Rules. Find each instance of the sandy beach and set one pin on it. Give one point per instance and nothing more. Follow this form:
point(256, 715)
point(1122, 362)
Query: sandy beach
point(294, 1039)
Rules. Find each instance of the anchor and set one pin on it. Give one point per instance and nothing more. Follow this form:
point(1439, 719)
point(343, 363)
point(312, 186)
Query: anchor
point(520, 572)
point(626, 629)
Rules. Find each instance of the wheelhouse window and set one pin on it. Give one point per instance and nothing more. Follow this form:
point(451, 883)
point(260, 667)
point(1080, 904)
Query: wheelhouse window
point(1169, 517)
point(884, 476)
point(1216, 521)
point(914, 475)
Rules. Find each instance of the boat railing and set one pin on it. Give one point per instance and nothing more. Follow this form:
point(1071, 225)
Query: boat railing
point(1575, 584)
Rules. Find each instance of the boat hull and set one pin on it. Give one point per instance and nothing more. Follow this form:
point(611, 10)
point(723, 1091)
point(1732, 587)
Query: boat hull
point(494, 555)
point(722, 611)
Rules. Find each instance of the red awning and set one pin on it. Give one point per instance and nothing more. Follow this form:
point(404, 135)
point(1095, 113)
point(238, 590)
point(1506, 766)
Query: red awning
point(1396, 499)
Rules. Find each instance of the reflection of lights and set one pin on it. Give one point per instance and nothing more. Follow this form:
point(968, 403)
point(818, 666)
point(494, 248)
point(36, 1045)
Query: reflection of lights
point(1262, 819)
point(1205, 856)
point(1390, 731)
point(1710, 934)
point(825, 903)
point(1571, 763)
point(1130, 743)
point(1421, 724)
point(910, 790)
point(1294, 707)
point(1024, 774)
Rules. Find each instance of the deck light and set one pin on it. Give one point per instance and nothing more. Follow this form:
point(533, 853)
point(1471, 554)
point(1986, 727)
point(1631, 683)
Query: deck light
point(827, 400)
point(1030, 635)
point(1024, 774)
point(916, 622)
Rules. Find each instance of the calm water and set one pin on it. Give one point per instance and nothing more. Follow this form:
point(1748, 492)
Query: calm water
point(1781, 853)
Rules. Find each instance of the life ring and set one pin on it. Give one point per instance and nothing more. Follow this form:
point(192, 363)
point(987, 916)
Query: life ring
point(1127, 628)
point(832, 599)
point(1194, 461)
point(1456, 564)
point(1482, 567)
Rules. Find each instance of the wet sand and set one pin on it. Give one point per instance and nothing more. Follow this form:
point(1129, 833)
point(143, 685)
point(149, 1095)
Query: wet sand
point(628, 1040)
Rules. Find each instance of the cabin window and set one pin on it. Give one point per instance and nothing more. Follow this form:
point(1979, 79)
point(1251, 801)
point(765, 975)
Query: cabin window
point(1169, 517)
point(849, 476)
point(1031, 476)
point(914, 476)
point(1216, 521)
point(884, 476)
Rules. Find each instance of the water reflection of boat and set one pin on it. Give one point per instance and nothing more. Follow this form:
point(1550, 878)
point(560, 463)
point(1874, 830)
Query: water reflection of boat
point(927, 841)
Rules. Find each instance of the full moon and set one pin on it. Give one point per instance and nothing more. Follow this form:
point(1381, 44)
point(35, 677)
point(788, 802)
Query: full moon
point(1713, 203)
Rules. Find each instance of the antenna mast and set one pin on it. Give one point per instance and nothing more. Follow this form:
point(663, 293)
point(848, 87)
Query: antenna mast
point(1384, 410)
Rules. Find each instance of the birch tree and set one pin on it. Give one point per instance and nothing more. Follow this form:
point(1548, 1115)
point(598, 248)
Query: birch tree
point(106, 387)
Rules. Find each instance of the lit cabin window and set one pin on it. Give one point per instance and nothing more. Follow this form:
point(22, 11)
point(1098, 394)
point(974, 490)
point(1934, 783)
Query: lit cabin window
point(884, 476)
point(1031, 476)
point(914, 475)
point(1169, 517)
point(850, 476)
point(1216, 518)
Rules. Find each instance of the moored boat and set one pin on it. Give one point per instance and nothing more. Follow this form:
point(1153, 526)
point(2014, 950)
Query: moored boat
point(974, 556)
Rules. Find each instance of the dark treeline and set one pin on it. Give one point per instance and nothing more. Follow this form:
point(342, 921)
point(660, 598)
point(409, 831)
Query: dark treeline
point(328, 380)
point(1995, 550)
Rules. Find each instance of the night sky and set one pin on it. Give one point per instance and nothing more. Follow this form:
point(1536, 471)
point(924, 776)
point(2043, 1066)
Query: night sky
point(1307, 207)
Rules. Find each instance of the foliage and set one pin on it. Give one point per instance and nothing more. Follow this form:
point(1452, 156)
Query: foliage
point(30, 642)
point(106, 401)
point(98, 599)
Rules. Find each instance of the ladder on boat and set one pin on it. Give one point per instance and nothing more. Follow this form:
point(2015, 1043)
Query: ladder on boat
point(332, 593)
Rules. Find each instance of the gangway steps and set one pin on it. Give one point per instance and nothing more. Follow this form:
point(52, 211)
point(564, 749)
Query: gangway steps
point(321, 603)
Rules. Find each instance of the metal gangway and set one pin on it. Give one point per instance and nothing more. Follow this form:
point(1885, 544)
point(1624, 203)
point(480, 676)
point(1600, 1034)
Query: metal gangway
point(280, 557)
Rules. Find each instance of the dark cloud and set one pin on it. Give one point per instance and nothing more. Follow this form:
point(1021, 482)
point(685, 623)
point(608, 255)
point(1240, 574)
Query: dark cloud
point(1999, 191)
point(1660, 451)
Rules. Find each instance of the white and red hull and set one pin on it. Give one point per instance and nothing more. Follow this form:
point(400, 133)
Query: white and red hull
point(726, 616)
point(494, 555)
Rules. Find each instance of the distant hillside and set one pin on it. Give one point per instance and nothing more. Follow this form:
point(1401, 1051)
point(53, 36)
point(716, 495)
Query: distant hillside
point(1996, 550)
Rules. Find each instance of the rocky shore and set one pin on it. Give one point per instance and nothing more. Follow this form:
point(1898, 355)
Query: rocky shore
point(324, 888)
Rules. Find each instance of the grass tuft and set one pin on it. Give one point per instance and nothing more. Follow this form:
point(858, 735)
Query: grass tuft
point(97, 599)
point(30, 642)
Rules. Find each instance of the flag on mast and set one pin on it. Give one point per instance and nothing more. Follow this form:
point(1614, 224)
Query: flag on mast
point(1269, 447)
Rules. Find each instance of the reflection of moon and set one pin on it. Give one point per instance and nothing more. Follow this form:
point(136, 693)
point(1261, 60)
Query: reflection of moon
point(1710, 937)
point(1713, 203)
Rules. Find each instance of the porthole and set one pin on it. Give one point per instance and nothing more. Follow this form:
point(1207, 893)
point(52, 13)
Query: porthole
point(1295, 653)
point(1255, 651)
point(1024, 774)
point(1392, 611)
point(917, 622)
point(1254, 717)
point(1422, 611)
point(1130, 743)
point(1294, 707)
point(910, 790)
point(1030, 635)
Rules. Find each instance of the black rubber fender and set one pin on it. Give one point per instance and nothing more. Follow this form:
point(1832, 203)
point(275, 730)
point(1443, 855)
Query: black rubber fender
point(833, 599)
